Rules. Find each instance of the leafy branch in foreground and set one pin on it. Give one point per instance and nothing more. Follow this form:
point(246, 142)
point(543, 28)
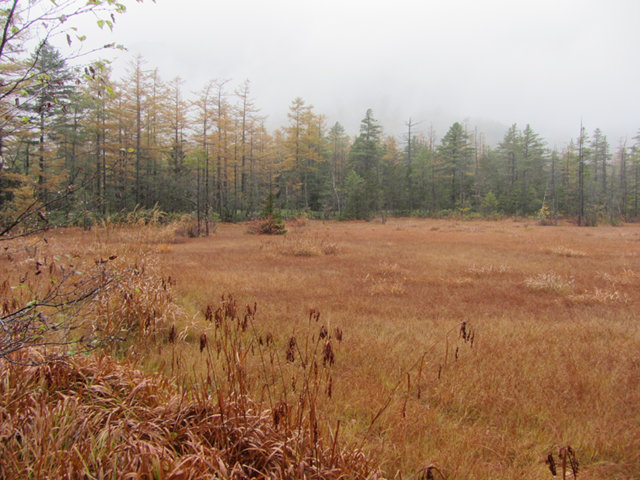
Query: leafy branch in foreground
point(45, 314)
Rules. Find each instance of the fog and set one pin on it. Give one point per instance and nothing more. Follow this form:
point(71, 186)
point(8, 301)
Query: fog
point(488, 63)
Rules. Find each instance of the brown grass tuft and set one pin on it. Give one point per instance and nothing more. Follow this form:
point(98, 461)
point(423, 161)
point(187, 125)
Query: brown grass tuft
point(549, 282)
point(303, 245)
point(567, 252)
point(96, 418)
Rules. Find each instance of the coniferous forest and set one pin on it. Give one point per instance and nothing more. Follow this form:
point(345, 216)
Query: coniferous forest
point(88, 146)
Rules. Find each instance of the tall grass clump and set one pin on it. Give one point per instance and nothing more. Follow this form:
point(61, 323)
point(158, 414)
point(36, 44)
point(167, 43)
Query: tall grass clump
point(147, 227)
point(97, 418)
point(254, 409)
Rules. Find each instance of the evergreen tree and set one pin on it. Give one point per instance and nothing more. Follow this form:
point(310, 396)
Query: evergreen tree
point(48, 98)
point(365, 160)
point(455, 154)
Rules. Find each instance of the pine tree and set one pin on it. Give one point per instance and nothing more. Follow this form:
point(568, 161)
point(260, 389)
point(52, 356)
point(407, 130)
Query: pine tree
point(48, 98)
point(365, 160)
point(455, 154)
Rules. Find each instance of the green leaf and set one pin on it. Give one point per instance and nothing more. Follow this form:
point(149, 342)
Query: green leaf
point(101, 24)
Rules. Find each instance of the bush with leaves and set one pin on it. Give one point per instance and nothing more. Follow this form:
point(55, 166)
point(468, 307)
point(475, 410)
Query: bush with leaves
point(270, 221)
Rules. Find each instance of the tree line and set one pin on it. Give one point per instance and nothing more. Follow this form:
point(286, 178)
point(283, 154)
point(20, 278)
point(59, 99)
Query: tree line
point(88, 146)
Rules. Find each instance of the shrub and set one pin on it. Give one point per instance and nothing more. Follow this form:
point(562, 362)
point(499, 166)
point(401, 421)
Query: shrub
point(270, 222)
point(546, 216)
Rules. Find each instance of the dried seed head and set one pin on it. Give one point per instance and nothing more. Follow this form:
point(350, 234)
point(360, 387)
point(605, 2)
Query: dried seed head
point(280, 413)
point(327, 354)
point(208, 313)
point(552, 464)
point(230, 307)
point(429, 473)
point(203, 341)
point(338, 334)
point(291, 349)
point(323, 331)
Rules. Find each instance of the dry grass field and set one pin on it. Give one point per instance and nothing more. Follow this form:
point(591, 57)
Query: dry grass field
point(555, 313)
point(478, 347)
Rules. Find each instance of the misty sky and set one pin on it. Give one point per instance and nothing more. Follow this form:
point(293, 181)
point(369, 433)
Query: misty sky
point(489, 63)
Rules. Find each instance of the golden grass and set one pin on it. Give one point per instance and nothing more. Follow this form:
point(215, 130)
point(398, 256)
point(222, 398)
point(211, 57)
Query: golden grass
point(551, 360)
point(549, 282)
point(298, 244)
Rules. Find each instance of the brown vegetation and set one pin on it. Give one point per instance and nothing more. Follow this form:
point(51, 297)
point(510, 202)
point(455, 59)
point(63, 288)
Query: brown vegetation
point(96, 418)
point(443, 349)
point(554, 361)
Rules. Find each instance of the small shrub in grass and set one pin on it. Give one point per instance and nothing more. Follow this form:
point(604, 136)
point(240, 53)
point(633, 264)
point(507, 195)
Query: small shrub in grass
point(547, 217)
point(269, 223)
point(267, 226)
point(188, 227)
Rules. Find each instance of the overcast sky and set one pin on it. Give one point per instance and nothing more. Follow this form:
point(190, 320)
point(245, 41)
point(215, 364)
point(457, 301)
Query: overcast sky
point(491, 63)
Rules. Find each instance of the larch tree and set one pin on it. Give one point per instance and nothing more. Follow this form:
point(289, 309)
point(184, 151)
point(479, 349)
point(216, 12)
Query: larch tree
point(204, 111)
point(245, 112)
point(136, 93)
point(178, 198)
point(295, 152)
point(338, 145)
point(220, 144)
point(155, 133)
